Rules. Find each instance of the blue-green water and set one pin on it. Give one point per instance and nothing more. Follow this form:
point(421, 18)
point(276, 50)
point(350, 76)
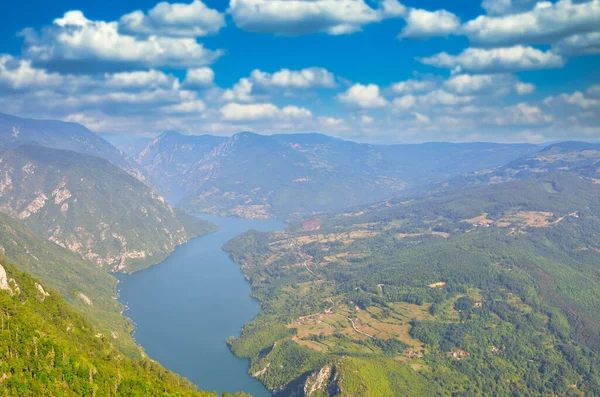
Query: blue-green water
point(186, 307)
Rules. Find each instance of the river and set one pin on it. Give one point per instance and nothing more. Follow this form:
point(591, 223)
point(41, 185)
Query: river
point(187, 306)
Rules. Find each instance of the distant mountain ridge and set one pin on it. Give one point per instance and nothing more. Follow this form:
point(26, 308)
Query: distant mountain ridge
point(261, 176)
point(15, 131)
point(168, 157)
point(91, 207)
point(582, 158)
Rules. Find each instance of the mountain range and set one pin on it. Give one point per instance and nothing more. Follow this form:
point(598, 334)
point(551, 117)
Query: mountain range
point(92, 207)
point(258, 176)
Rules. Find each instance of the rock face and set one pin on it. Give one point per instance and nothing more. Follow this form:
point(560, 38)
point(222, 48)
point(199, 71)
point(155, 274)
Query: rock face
point(3, 279)
point(89, 206)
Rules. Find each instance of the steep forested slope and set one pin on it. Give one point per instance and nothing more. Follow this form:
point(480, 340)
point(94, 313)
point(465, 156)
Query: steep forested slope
point(87, 288)
point(46, 349)
point(487, 291)
point(91, 207)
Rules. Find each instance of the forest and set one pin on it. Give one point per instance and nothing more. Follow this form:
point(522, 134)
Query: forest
point(488, 291)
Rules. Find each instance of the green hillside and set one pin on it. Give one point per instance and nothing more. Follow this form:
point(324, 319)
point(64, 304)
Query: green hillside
point(46, 349)
point(86, 287)
point(91, 207)
point(488, 291)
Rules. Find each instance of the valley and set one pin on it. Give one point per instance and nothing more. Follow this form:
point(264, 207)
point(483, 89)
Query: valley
point(400, 272)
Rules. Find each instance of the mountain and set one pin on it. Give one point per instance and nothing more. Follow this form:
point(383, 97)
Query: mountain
point(130, 145)
point(47, 349)
point(15, 131)
point(86, 287)
point(259, 176)
point(486, 291)
point(578, 157)
point(91, 207)
point(168, 157)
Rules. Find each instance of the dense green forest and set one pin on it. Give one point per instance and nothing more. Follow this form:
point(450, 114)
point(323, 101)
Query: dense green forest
point(489, 291)
point(47, 349)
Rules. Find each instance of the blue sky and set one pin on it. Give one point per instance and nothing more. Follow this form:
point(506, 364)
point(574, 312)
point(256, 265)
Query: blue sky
point(368, 70)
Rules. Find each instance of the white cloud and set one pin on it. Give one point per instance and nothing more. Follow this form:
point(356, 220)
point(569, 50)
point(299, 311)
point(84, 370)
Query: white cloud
point(577, 98)
point(300, 79)
point(522, 114)
point(404, 102)
point(504, 7)
point(363, 96)
point(193, 106)
point(175, 20)
point(594, 90)
point(296, 17)
point(332, 123)
point(74, 41)
point(142, 79)
point(487, 84)
point(199, 78)
point(421, 118)
point(422, 24)
point(579, 44)
point(524, 88)
point(17, 74)
point(366, 119)
point(241, 91)
point(236, 112)
point(496, 60)
point(545, 23)
point(412, 86)
point(443, 98)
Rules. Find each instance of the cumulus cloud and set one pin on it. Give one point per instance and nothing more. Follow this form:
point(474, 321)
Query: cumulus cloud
point(75, 42)
point(404, 102)
point(496, 60)
point(576, 98)
point(241, 91)
point(579, 44)
point(140, 79)
point(545, 24)
point(237, 112)
point(291, 79)
point(199, 78)
point(482, 84)
point(363, 96)
point(423, 24)
point(504, 7)
point(297, 17)
point(522, 114)
point(175, 20)
point(17, 74)
point(260, 83)
point(524, 88)
point(412, 86)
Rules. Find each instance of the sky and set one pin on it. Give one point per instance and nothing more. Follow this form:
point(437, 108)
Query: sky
point(382, 71)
